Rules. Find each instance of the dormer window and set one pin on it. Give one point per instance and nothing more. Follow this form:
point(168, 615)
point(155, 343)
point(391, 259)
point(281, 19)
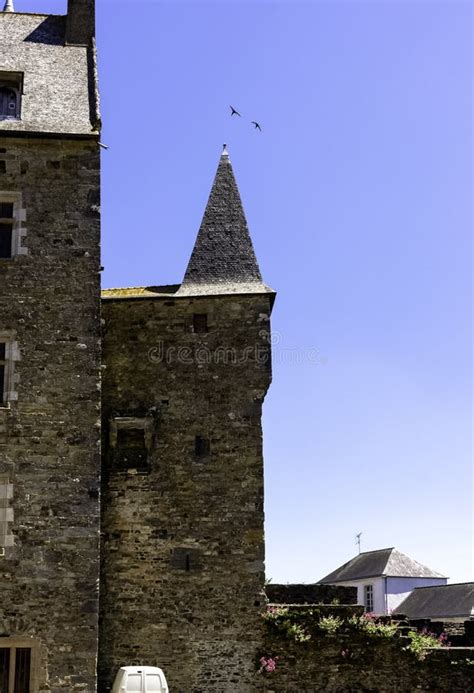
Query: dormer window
point(10, 95)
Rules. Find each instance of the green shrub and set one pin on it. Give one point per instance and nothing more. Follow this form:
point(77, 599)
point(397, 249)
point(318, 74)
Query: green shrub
point(285, 621)
point(330, 624)
point(422, 643)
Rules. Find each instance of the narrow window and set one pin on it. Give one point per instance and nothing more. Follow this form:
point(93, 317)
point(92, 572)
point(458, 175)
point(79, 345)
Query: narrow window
point(6, 229)
point(369, 598)
point(3, 372)
point(22, 670)
point(6, 516)
point(200, 323)
point(12, 225)
point(4, 668)
point(8, 356)
point(202, 446)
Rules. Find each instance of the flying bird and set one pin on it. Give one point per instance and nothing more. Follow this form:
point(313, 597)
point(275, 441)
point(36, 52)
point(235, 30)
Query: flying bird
point(257, 125)
point(233, 111)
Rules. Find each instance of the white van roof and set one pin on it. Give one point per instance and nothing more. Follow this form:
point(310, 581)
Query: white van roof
point(142, 670)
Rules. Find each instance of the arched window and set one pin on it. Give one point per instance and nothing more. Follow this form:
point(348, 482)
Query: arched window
point(9, 101)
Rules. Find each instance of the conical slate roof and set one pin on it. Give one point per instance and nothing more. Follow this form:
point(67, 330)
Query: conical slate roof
point(223, 259)
point(386, 562)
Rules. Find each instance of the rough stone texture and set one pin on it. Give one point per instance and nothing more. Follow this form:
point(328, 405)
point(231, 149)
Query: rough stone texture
point(60, 94)
point(49, 436)
point(183, 545)
point(319, 666)
point(80, 28)
point(310, 594)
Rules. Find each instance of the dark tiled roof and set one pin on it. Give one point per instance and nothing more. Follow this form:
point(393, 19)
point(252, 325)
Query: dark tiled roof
point(387, 562)
point(439, 602)
point(60, 90)
point(223, 260)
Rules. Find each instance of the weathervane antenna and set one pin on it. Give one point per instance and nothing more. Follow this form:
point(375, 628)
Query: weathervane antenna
point(358, 536)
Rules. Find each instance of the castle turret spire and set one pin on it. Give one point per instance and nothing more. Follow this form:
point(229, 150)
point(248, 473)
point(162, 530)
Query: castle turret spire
point(223, 259)
point(8, 6)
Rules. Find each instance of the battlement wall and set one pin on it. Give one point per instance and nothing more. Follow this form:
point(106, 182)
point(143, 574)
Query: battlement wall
point(310, 594)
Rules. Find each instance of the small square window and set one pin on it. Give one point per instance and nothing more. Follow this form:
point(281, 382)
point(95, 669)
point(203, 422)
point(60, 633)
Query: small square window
point(200, 323)
point(131, 451)
point(186, 559)
point(11, 87)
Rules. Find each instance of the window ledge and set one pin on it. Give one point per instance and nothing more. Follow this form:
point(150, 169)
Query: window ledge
point(14, 258)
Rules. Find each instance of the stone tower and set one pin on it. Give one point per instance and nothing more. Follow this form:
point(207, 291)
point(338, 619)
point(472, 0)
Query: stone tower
point(49, 351)
point(187, 370)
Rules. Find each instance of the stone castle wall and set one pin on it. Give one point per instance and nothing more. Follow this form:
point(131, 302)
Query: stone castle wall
point(49, 453)
point(310, 594)
point(335, 664)
point(354, 660)
point(183, 545)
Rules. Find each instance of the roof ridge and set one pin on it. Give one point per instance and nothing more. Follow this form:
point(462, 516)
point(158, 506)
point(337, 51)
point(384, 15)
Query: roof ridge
point(452, 584)
point(389, 548)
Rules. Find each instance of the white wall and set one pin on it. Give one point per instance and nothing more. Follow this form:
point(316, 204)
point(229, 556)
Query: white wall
point(399, 588)
point(378, 588)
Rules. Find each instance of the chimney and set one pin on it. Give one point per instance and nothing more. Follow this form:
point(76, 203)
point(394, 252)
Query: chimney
point(80, 26)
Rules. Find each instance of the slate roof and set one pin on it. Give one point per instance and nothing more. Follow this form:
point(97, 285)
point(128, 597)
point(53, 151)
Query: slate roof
point(386, 562)
point(440, 601)
point(60, 85)
point(223, 260)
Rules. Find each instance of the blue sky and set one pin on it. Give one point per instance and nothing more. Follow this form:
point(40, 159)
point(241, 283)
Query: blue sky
point(357, 194)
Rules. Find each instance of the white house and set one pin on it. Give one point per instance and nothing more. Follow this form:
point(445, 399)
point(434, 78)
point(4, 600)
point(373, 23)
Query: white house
point(383, 578)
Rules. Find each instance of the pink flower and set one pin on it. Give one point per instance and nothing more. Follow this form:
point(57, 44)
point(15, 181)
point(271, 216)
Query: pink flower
point(267, 664)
